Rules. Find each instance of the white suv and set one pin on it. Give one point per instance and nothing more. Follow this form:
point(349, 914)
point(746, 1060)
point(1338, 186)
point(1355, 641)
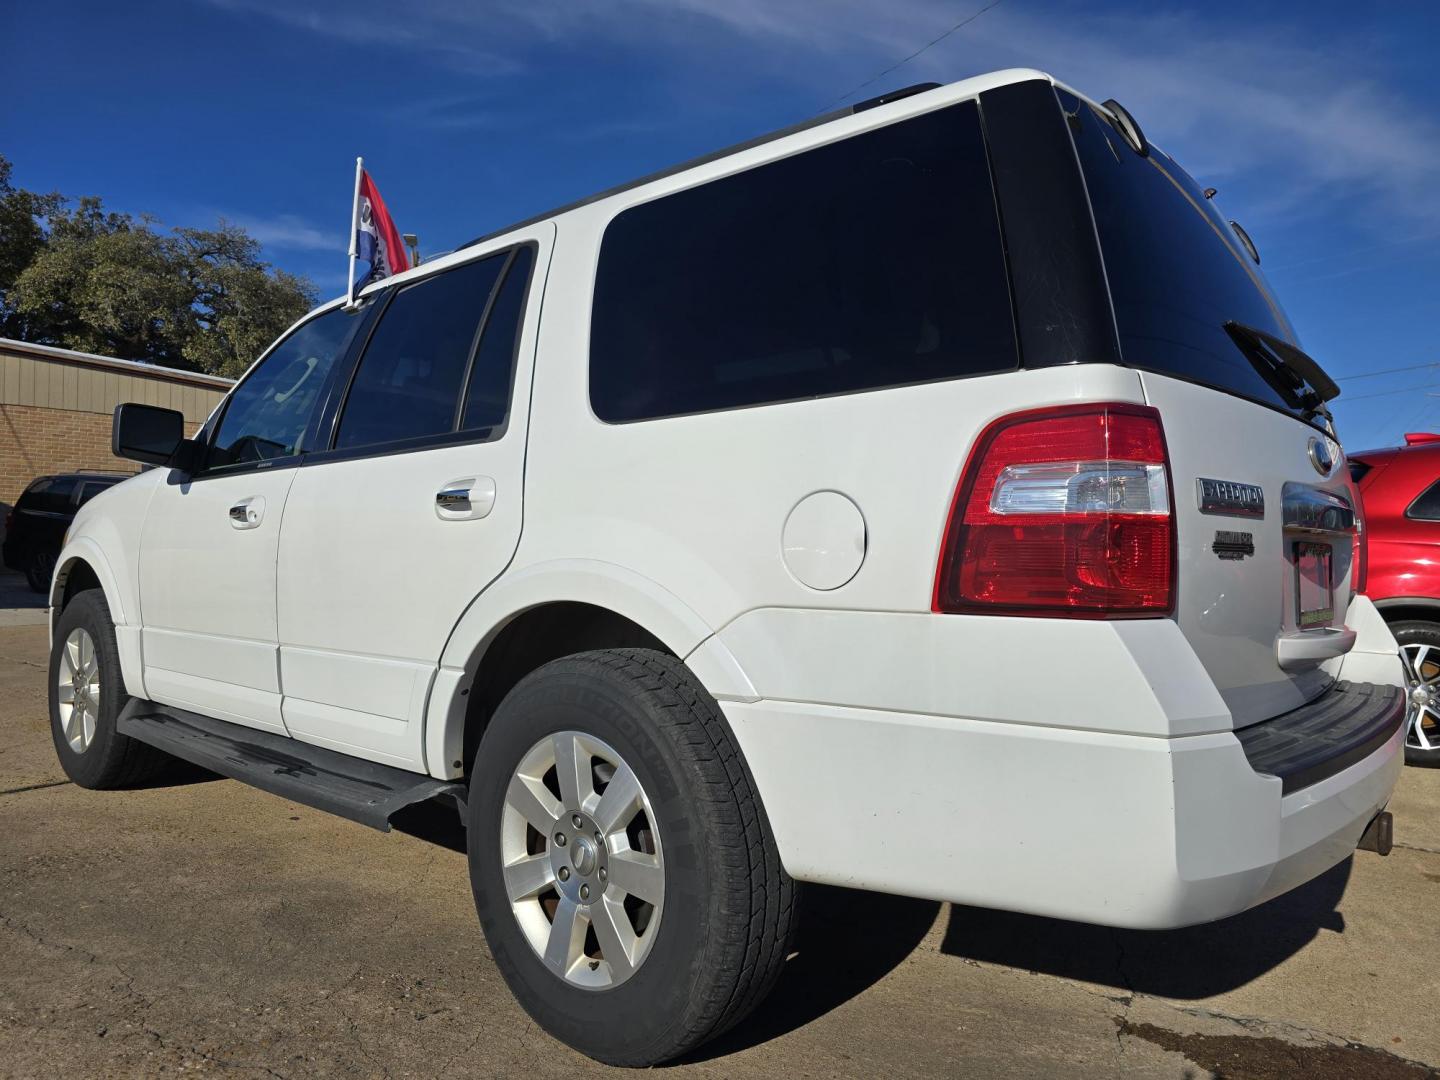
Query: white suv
point(930, 499)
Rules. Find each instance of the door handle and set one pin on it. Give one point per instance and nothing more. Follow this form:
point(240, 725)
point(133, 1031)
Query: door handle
point(465, 499)
point(247, 513)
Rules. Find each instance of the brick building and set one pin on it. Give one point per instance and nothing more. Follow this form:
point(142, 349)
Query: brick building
point(55, 408)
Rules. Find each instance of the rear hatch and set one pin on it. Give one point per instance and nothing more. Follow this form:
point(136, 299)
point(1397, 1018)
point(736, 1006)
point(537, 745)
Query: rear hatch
point(1263, 501)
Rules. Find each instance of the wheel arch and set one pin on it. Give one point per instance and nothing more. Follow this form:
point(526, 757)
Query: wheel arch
point(1406, 608)
point(550, 610)
point(82, 565)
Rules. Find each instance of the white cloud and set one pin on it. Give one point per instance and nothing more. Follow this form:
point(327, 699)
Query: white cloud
point(291, 233)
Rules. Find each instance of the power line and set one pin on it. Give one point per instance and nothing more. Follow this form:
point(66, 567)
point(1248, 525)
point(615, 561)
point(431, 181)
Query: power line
point(1388, 393)
point(1388, 371)
point(899, 64)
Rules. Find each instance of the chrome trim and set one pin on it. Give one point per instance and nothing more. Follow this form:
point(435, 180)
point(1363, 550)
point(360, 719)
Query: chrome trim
point(1314, 510)
point(453, 499)
point(1230, 498)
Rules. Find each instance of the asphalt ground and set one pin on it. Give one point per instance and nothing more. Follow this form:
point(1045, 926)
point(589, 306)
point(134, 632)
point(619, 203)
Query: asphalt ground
point(203, 927)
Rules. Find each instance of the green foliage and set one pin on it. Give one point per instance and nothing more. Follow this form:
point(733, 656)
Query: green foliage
point(74, 275)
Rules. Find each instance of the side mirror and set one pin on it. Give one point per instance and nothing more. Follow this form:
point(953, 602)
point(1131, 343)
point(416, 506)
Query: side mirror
point(146, 433)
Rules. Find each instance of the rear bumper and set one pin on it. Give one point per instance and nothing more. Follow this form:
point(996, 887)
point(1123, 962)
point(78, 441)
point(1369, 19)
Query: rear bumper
point(1080, 770)
point(1119, 830)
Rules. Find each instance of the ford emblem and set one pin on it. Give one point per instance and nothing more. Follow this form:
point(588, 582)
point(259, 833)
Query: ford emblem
point(1321, 456)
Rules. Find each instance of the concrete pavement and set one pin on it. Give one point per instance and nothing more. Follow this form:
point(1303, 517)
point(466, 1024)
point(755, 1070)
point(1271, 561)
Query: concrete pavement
point(205, 927)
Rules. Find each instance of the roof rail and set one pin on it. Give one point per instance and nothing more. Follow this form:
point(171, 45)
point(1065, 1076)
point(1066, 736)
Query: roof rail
point(715, 155)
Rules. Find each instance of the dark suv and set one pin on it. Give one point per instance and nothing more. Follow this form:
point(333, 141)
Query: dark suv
point(35, 528)
point(1400, 488)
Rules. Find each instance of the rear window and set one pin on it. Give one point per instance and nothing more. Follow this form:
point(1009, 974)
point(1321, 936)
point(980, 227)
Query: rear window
point(871, 262)
point(1176, 271)
point(91, 488)
point(1426, 506)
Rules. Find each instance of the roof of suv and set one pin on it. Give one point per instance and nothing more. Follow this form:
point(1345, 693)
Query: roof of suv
point(959, 90)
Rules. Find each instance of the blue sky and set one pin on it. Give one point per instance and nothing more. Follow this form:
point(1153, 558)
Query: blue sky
point(1316, 121)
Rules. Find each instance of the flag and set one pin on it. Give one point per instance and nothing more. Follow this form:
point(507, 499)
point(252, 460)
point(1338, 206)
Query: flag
point(376, 241)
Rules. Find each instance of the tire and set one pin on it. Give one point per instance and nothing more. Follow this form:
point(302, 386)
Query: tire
point(99, 757)
point(717, 939)
point(40, 568)
point(1414, 637)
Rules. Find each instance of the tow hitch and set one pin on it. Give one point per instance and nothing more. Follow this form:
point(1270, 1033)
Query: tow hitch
point(1379, 835)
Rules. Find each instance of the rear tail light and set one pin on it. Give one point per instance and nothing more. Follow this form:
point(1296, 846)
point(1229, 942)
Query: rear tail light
point(1064, 511)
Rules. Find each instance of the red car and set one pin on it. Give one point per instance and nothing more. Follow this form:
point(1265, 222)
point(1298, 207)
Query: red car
point(1400, 490)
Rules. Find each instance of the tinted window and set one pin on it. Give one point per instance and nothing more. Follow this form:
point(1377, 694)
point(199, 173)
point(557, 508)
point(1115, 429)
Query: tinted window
point(1427, 506)
point(1358, 469)
point(875, 261)
point(50, 495)
point(90, 489)
point(487, 403)
point(267, 413)
point(1176, 271)
point(409, 380)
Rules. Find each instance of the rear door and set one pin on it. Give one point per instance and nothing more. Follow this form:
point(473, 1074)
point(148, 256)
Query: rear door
point(414, 507)
point(209, 545)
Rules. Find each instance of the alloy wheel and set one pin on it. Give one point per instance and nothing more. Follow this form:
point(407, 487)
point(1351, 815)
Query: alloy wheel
point(1422, 683)
point(78, 682)
point(583, 865)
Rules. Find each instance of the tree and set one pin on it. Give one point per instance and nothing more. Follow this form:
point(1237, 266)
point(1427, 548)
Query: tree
point(21, 239)
point(74, 275)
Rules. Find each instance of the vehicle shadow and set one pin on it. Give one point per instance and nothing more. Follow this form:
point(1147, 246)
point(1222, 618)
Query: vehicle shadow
point(435, 821)
point(845, 943)
point(879, 932)
point(1195, 962)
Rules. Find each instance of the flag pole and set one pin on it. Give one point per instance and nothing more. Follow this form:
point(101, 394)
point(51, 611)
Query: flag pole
point(354, 233)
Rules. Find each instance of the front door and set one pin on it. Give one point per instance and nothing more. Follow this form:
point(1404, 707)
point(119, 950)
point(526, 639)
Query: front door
point(414, 508)
point(210, 541)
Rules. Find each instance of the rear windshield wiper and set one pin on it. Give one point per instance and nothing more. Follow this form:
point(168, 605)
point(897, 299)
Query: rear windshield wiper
point(1292, 372)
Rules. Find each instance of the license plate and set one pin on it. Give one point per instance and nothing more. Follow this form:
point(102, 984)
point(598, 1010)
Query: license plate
point(1314, 587)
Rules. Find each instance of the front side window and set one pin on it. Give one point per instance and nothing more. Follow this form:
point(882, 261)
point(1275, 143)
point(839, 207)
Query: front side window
point(871, 262)
point(267, 413)
point(409, 380)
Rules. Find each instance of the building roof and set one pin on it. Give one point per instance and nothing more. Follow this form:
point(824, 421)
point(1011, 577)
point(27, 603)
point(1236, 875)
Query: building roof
point(110, 363)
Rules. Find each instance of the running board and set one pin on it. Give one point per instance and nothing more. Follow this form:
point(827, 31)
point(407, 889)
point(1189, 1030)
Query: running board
point(351, 787)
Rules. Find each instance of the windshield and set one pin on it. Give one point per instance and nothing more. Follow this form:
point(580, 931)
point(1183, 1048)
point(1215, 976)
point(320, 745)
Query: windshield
point(1176, 270)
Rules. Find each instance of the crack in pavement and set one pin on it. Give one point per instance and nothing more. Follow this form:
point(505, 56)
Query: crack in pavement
point(22, 660)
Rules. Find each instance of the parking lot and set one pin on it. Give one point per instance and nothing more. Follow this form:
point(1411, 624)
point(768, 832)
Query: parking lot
point(204, 927)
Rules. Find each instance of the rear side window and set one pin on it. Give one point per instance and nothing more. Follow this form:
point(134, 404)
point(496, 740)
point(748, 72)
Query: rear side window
point(872, 262)
point(409, 380)
point(1358, 469)
point(49, 496)
point(1427, 506)
point(487, 401)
